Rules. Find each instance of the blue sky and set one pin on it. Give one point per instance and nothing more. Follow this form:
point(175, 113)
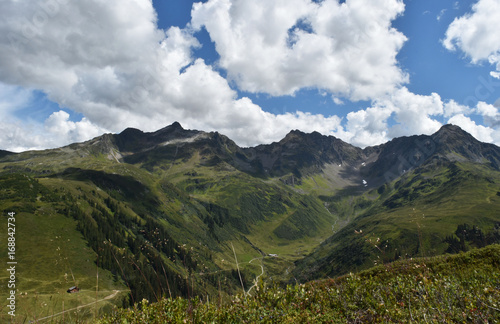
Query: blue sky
point(361, 70)
point(432, 68)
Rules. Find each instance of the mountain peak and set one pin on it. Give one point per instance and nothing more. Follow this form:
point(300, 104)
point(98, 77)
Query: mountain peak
point(294, 132)
point(450, 128)
point(176, 126)
point(130, 131)
point(297, 134)
point(454, 135)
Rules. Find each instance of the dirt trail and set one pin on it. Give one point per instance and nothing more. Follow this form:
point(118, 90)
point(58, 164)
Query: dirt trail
point(256, 281)
point(113, 295)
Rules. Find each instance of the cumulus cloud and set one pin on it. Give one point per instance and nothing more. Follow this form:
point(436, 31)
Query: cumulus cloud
point(476, 34)
point(14, 134)
point(58, 130)
point(109, 61)
point(367, 127)
point(60, 126)
point(490, 113)
point(401, 113)
point(482, 133)
point(279, 47)
point(19, 135)
point(489, 132)
point(452, 108)
point(415, 113)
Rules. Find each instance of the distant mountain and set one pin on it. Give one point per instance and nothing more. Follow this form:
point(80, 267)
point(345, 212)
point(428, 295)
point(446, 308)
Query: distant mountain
point(4, 153)
point(302, 153)
point(450, 143)
point(161, 211)
point(428, 186)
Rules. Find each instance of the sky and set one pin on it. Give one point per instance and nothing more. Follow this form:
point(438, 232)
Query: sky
point(364, 71)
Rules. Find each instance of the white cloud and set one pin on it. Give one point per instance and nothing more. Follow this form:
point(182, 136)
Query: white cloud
point(367, 127)
point(401, 113)
point(59, 125)
point(15, 138)
point(414, 112)
point(476, 34)
point(482, 133)
point(452, 108)
point(494, 59)
point(337, 101)
point(441, 14)
point(20, 135)
point(15, 135)
point(490, 113)
point(110, 62)
point(279, 47)
point(486, 110)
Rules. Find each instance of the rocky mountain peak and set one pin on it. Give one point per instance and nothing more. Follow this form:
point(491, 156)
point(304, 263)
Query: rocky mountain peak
point(454, 135)
point(174, 128)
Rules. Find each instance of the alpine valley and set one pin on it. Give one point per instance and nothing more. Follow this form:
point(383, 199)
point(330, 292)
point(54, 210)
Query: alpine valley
point(177, 212)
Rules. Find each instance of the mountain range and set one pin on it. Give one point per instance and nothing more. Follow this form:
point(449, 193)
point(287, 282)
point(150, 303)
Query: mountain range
point(181, 212)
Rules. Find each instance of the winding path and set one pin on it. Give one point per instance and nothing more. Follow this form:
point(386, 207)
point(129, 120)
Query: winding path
point(113, 295)
point(256, 280)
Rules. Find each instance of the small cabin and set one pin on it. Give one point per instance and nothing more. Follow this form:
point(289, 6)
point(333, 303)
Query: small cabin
point(73, 289)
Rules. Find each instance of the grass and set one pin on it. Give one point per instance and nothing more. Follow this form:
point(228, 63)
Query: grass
point(51, 256)
point(257, 208)
point(412, 216)
point(62, 259)
point(449, 288)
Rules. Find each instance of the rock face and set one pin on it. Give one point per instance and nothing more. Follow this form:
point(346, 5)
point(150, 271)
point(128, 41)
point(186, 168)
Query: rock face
point(298, 154)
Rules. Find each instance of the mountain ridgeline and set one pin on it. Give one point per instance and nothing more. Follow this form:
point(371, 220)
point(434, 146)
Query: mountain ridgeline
point(169, 213)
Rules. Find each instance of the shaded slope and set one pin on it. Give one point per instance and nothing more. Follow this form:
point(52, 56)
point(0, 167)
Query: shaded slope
point(412, 216)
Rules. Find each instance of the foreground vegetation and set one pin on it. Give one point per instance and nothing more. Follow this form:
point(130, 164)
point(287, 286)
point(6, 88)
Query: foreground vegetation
point(450, 288)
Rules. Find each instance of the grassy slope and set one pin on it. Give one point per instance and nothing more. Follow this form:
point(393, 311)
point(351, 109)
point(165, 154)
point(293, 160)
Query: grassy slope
point(52, 256)
point(412, 216)
point(456, 288)
point(270, 216)
point(264, 217)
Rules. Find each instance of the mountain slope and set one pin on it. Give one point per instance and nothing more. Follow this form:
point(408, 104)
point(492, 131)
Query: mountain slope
point(434, 184)
point(163, 211)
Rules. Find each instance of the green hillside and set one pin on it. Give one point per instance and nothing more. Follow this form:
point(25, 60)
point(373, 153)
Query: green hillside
point(184, 213)
point(166, 228)
point(410, 217)
point(446, 289)
point(51, 255)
